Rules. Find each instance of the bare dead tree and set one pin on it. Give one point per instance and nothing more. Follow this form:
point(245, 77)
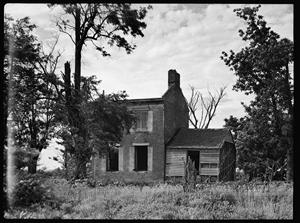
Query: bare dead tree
point(207, 107)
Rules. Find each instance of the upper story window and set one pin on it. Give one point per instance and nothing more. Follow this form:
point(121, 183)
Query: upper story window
point(141, 120)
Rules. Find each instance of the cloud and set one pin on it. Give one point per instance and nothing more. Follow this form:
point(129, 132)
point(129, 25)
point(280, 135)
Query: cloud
point(185, 37)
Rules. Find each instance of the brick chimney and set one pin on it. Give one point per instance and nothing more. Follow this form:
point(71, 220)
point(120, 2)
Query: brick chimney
point(173, 78)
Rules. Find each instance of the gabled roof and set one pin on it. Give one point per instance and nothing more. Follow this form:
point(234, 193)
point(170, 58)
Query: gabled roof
point(200, 138)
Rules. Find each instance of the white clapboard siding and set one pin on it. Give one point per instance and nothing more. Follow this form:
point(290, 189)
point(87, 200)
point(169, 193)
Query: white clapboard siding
point(209, 171)
point(175, 162)
point(102, 163)
point(210, 157)
point(121, 166)
point(150, 121)
point(131, 158)
point(150, 158)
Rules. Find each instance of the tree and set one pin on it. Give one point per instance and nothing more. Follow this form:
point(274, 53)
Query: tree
point(101, 21)
point(235, 125)
point(93, 22)
point(32, 96)
point(207, 107)
point(105, 118)
point(262, 69)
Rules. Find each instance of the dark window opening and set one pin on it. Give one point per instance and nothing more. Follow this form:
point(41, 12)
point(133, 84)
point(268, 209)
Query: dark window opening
point(141, 158)
point(194, 156)
point(112, 162)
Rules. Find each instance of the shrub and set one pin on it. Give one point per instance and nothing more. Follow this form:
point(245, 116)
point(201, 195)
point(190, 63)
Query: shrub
point(28, 191)
point(91, 182)
point(229, 197)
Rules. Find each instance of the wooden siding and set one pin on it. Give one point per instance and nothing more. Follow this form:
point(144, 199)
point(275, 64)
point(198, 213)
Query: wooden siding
point(209, 156)
point(175, 162)
point(209, 171)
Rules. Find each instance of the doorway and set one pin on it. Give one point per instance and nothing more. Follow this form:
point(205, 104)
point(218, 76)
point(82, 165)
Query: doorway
point(194, 156)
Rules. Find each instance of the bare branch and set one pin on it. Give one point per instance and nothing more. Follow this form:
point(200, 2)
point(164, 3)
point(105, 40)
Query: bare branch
point(63, 31)
point(208, 107)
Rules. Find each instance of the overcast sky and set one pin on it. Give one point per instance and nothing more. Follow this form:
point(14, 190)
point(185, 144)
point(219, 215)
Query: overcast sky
point(185, 37)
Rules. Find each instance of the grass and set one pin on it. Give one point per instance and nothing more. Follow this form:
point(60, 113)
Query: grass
point(165, 201)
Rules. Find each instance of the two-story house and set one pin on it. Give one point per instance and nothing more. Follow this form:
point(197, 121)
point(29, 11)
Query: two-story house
point(158, 145)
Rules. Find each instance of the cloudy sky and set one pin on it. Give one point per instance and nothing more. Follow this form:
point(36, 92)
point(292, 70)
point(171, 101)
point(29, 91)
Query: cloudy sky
point(185, 37)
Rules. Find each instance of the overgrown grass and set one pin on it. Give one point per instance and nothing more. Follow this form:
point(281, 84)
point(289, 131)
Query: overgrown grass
point(165, 201)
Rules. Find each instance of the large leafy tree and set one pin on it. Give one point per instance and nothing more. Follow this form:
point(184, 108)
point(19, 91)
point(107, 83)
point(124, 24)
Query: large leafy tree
point(103, 25)
point(99, 23)
point(262, 69)
point(104, 119)
point(32, 93)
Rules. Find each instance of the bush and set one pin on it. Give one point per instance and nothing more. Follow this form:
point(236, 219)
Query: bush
point(31, 189)
point(91, 182)
point(28, 192)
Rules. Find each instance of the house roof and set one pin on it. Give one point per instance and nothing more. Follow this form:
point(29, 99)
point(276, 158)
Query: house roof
point(200, 138)
point(144, 100)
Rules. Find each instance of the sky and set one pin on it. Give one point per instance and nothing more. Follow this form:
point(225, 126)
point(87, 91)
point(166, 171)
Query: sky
point(186, 37)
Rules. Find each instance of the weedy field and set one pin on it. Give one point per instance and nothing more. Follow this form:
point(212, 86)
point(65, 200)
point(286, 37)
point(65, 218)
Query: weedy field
point(162, 201)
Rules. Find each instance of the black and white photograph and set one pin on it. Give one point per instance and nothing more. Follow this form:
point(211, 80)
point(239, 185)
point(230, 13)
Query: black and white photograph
point(151, 111)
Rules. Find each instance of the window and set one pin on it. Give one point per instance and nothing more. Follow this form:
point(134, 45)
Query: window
point(141, 120)
point(209, 165)
point(194, 156)
point(112, 161)
point(141, 158)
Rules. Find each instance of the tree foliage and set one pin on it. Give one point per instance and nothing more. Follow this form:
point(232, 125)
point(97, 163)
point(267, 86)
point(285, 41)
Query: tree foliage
point(104, 119)
point(262, 68)
point(32, 94)
point(94, 23)
point(101, 24)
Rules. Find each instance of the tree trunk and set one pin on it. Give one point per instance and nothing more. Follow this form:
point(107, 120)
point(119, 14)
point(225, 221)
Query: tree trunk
point(290, 162)
point(78, 48)
point(290, 152)
point(80, 169)
point(32, 165)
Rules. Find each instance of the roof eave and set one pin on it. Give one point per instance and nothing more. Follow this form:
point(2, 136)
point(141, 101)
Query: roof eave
point(194, 147)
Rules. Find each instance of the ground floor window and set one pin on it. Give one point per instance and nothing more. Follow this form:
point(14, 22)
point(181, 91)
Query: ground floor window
point(112, 161)
point(141, 158)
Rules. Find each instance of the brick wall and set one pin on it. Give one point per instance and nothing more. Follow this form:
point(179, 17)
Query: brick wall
point(154, 138)
point(168, 113)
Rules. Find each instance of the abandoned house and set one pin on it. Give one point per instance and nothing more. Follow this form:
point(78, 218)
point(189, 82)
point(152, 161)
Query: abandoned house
point(159, 144)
